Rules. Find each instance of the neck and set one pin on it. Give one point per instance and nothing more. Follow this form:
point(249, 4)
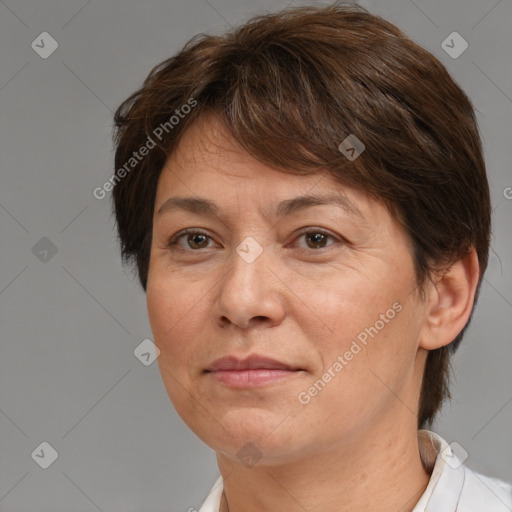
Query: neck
point(381, 467)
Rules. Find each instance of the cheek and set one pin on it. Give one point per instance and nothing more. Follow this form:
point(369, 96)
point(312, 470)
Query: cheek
point(172, 314)
point(372, 324)
point(160, 311)
point(173, 322)
point(346, 306)
point(384, 367)
point(361, 380)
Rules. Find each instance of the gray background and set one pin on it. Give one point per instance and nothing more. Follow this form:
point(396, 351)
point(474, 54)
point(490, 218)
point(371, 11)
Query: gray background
point(70, 324)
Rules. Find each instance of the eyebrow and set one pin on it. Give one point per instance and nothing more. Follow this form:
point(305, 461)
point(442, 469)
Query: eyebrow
point(210, 208)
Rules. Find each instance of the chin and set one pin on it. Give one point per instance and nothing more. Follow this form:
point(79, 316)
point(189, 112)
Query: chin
point(262, 432)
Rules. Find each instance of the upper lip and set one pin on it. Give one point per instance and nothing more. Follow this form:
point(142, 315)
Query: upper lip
point(249, 363)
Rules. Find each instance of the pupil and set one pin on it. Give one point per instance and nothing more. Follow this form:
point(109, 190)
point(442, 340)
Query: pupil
point(194, 238)
point(317, 238)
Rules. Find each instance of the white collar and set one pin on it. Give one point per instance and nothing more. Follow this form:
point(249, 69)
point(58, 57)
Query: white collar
point(434, 451)
point(452, 486)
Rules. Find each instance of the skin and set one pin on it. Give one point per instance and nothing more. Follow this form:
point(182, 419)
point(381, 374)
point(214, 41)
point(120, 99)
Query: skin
point(302, 304)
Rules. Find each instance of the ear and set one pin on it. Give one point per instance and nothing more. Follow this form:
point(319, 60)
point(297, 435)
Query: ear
point(450, 302)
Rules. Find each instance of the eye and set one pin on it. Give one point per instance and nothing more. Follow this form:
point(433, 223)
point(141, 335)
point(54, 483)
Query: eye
point(193, 239)
point(315, 238)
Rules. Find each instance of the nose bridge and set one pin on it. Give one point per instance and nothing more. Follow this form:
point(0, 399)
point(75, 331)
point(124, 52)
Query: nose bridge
point(248, 266)
point(244, 292)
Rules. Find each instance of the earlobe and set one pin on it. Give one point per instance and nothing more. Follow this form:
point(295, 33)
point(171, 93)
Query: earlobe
point(450, 302)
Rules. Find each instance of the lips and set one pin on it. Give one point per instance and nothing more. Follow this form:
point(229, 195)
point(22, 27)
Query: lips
point(250, 363)
point(252, 372)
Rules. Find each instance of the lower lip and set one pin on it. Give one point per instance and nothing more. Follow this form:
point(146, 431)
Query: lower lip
point(251, 378)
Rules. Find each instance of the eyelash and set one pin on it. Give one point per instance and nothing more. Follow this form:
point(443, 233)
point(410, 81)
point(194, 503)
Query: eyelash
point(173, 242)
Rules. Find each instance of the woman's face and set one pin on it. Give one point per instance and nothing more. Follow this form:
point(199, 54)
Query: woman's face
point(327, 291)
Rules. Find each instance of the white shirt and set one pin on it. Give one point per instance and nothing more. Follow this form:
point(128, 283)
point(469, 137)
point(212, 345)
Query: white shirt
point(452, 487)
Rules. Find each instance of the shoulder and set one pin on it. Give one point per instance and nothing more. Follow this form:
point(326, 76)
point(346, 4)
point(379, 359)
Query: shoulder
point(482, 493)
point(453, 486)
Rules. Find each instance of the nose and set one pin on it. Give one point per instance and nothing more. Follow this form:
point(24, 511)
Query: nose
point(250, 293)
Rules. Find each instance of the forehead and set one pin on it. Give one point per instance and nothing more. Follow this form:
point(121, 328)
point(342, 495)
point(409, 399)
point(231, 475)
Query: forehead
point(208, 151)
point(208, 136)
point(209, 163)
point(208, 147)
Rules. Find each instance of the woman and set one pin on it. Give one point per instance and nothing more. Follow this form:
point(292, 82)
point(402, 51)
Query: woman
point(299, 199)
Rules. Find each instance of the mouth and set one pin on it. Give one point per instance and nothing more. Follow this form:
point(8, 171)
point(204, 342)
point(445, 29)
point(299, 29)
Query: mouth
point(254, 371)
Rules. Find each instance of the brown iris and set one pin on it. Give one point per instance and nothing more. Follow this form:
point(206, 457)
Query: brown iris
point(316, 238)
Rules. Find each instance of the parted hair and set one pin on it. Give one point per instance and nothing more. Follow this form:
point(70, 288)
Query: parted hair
point(290, 87)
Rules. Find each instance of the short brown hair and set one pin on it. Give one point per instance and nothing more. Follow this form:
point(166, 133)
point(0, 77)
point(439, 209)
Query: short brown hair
point(290, 87)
